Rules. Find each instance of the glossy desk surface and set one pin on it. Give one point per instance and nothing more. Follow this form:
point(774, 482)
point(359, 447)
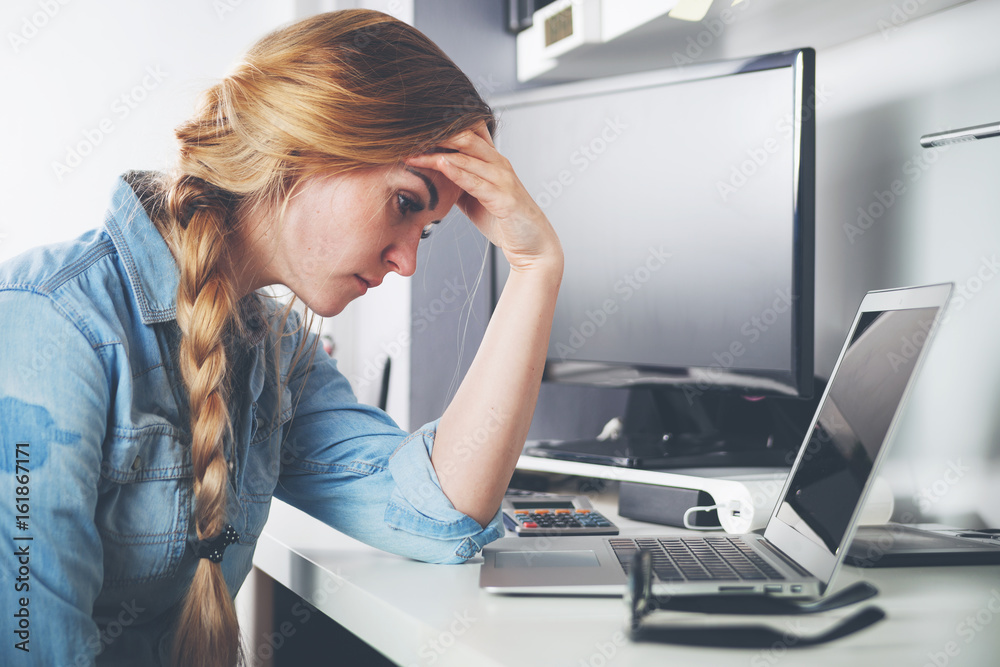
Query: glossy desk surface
point(423, 614)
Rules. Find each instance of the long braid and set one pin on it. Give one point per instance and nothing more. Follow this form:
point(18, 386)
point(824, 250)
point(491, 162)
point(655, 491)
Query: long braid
point(208, 630)
point(329, 94)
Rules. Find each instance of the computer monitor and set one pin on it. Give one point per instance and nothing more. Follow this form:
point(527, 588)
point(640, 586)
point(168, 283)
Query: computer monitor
point(684, 200)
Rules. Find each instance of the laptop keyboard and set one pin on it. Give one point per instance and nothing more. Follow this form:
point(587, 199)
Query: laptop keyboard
point(698, 559)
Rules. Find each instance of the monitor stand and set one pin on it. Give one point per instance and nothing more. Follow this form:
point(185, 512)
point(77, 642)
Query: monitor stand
point(668, 428)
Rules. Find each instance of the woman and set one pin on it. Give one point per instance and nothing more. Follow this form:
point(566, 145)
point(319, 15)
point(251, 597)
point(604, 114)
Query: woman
point(161, 401)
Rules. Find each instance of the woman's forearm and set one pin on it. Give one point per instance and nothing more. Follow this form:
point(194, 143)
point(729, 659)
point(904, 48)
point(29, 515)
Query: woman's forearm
point(481, 434)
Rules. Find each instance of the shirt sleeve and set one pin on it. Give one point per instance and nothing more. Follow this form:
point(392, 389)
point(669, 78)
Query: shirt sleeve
point(54, 397)
point(349, 465)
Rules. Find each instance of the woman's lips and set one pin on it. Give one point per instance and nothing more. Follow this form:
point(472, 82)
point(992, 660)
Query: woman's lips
point(368, 283)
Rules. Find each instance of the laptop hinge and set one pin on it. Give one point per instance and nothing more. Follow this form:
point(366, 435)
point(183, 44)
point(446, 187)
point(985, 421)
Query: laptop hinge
point(785, 559)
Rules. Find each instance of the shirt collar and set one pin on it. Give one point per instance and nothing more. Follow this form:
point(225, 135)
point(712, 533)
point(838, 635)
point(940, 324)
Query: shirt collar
point(149, 265)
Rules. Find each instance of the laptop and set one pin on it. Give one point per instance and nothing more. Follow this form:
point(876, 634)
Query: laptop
point(811, 527)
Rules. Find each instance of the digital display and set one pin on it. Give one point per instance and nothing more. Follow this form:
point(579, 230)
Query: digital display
point(559, 26)
point(542, 505)
point(853, 423)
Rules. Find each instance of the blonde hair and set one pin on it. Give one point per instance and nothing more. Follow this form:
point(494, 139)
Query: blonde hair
point(330, 94)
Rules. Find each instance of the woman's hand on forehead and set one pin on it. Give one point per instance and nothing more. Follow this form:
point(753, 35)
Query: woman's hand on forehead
point(494, 198)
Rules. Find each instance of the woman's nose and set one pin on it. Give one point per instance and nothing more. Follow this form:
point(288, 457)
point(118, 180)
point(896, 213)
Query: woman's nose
point(402, 256)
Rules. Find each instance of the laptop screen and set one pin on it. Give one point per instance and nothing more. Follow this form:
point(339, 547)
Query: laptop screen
point(852, 424)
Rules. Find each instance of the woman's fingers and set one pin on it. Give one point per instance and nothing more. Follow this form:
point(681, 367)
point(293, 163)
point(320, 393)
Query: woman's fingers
point(493, 197)
point(483, 180)
point(475, 142)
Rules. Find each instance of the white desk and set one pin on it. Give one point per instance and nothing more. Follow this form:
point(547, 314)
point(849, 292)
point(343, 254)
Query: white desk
point(422, 614)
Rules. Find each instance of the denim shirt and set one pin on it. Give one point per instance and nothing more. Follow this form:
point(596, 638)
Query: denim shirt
point(96, 516)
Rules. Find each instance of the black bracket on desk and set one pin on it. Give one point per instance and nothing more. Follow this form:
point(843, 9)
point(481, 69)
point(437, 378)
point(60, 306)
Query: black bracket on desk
point(641, 602)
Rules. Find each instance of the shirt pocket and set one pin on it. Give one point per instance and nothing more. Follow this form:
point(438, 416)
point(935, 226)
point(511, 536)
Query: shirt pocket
point(144, 504)
point(261, 471)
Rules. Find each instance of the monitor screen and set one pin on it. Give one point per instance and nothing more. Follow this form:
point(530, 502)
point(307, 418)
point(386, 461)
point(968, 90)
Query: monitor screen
point(684, 203)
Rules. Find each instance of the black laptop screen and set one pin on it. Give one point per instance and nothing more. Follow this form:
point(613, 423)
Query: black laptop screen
point(853, 422)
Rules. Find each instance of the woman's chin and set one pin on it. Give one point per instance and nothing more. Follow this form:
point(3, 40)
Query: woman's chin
point(329, 308)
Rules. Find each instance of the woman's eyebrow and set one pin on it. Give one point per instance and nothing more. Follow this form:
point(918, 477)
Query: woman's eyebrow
point(431, 188)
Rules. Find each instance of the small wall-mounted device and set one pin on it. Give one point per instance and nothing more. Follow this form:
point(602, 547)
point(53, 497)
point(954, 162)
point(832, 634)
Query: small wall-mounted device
point(964, 134)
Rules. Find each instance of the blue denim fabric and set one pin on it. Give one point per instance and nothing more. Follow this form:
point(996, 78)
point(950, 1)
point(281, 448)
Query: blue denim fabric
point(89, 380)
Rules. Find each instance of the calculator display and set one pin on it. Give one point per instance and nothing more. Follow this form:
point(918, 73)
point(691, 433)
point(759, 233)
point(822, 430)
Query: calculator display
point(541, 505)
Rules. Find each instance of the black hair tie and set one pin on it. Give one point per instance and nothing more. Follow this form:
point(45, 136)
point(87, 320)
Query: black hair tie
point(214, 548)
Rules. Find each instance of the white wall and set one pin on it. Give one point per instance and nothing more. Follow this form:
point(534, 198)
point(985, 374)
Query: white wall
point(98, 87)
point(884, 91)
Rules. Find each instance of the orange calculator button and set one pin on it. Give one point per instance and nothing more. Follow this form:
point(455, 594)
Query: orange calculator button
point(562, 511)
point(541, 511)
point(583, 511)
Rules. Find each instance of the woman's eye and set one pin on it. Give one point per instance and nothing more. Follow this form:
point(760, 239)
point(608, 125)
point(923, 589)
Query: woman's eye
point(407, 205)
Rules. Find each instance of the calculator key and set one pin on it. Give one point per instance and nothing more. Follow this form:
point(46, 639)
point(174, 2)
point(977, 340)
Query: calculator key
point(583, 511)
point(530, 524)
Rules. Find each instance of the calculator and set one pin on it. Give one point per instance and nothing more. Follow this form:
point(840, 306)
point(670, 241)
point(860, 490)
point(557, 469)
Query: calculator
point(554, 515)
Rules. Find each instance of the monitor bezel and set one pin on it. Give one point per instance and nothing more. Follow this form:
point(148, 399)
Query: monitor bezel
point(798, 381)
point(814, 558)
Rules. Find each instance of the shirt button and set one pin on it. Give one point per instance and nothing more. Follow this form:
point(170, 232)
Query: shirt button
point(137, 463)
